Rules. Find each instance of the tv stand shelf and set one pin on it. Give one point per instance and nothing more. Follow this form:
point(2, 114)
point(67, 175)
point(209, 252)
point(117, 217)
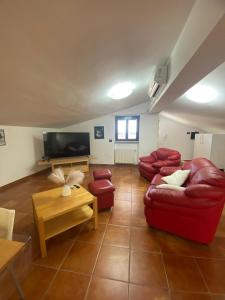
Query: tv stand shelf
point(80, 163)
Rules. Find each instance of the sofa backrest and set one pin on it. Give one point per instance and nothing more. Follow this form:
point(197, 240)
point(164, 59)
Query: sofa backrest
point(210, 176)
point(196, 164)
point(164, 153)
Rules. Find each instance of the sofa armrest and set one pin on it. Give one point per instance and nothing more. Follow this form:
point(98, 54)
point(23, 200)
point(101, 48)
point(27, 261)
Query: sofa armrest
point(205, 190)
point(148, 159)
point(167, 196)
point(165, 171)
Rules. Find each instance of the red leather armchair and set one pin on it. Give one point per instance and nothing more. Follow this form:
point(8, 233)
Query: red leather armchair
point(193, 213)
point(151, 164)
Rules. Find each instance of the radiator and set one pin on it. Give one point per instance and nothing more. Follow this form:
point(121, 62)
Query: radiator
point(125, 156)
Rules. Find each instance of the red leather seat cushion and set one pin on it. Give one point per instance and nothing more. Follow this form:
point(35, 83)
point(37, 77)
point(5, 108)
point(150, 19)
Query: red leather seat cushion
point(100, 187)
point(147, 167)
point(102, 174)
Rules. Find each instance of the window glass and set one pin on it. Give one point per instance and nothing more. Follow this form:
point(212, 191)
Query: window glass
point(121, 129)
point(127, 128)
point(132, 129)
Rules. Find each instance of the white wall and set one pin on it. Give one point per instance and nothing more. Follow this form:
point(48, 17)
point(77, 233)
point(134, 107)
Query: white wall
point(24, 145)
point(211, 146)
point(18, 158)
point(174, 135)
point(102, 151)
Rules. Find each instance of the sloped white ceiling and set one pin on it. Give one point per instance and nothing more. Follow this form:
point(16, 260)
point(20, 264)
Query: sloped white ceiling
point(208, 116)
point(59, 58)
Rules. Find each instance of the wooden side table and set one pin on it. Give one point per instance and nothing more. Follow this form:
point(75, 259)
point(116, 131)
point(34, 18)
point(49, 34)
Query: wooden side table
point(55, 214)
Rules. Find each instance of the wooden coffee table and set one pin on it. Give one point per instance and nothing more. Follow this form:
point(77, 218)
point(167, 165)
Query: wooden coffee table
point(55, 214)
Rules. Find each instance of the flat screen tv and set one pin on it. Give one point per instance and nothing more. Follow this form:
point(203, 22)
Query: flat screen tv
point(66, 144)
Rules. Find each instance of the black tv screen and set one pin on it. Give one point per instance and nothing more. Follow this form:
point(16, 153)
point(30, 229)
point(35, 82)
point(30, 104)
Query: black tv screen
point(66, 144)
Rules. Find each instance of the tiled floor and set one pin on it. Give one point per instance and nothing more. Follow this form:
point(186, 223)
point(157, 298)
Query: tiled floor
point(124, 259)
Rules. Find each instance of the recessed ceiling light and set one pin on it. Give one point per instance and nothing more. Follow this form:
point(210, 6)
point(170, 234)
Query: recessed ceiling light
point(201, 94)
point(121, 90)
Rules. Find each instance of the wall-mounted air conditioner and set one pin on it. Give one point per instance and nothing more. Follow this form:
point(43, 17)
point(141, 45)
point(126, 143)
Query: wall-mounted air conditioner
point(159, 82)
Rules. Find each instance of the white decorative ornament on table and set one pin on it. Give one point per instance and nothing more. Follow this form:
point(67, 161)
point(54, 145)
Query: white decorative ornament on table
point(73, 180)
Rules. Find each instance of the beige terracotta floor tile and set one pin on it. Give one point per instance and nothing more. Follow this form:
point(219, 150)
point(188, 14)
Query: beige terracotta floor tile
point(68, 286)
point(122, 196)
point(170, 244)
point(89, 234)
point(216, 249)
point(117, 236)
point(141, 292)
point(147, 268)
point(218, 297)
point(120, 218)
point(189, 296)
point(213, 272)
point(36, 283)
point(104, 216)
point(122, 206)
point(124, 188)
point(81, 257)
point(56, 251)
point(138, 220)
point(113, 263)
point(183, 274)
point(144, 239)
point(101, 288)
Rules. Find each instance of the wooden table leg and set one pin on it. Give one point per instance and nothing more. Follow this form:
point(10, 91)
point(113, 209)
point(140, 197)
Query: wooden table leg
point(95, 209)
point(41, 233)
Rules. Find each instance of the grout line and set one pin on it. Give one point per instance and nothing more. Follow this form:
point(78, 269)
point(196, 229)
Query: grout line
point(74, 272)
point(60, 265)
point(189, 256)
point(201, 274)
point(96, 260)
point(192, 292)
point(129, 266)
point(164, 269)
point(45, 266)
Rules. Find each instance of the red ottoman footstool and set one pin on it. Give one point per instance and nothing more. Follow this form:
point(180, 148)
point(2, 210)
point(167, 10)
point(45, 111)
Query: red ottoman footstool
point(103, 190)
point(102, 174)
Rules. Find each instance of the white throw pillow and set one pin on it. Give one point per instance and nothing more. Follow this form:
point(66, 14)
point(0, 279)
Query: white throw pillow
point(170, 187)
point(177, 178)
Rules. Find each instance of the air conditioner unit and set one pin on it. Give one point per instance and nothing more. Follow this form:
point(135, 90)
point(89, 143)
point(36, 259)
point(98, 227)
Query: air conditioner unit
point(159, 82)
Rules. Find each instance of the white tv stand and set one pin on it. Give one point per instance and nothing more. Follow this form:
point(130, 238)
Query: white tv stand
point(80, 163)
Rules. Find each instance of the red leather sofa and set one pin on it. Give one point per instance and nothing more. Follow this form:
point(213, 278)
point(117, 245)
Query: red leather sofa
point(151, 164)
point(193, 213)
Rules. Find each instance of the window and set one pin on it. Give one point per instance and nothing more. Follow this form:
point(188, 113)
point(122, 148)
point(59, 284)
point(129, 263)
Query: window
point(127, 128)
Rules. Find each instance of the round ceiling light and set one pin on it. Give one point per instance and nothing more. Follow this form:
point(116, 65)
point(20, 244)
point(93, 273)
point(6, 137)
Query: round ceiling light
point(201, 94)
point(121, 90)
